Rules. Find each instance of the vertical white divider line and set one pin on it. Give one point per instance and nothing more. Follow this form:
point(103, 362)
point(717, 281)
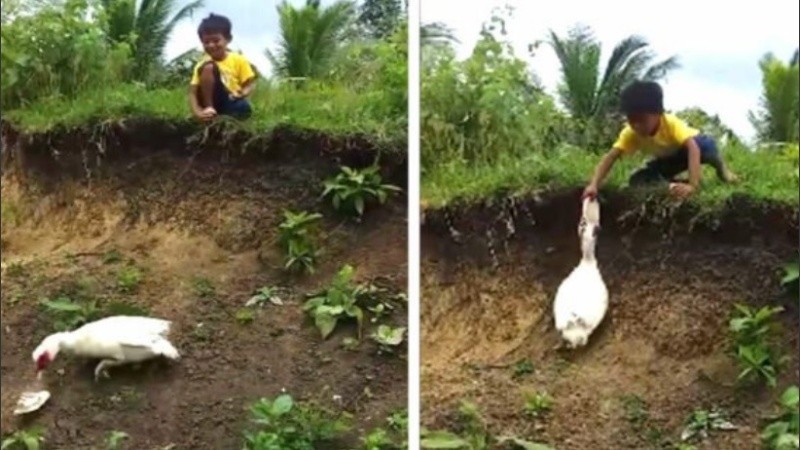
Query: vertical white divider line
point(413, 224)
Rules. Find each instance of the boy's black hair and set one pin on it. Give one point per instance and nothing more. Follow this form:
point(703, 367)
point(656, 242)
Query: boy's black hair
point(642, 97)
point(215, 23)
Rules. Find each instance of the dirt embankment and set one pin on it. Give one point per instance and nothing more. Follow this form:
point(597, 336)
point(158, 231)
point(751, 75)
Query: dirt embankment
point(196, 215)
point(490, 273)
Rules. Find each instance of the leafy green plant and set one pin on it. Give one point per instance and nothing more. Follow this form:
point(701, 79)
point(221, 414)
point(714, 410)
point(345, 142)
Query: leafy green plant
point(30, 439)
point(700, 423)
point(378, 439)
point(203, 287)
point(128, 279)
point(115, 439)
point(352, 189)
point(751, 332)
point(67, 314)
point(537, 404)
point(473, 435)
point(522, 367)
point(264, 295)
point(783, 432)
point(339, 300)
point(284, 424)
point(296, 236)
point(388, 337)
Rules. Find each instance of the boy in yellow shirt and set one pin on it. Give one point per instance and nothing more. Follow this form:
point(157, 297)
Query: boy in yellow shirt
point(673, 145)
point(221, 80)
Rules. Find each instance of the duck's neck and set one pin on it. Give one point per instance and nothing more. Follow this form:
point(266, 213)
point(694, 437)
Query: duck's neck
point(587, 249)
point(65, 340)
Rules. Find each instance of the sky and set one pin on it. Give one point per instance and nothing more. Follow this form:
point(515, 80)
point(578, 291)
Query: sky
point(718, 48)
point(718, 44)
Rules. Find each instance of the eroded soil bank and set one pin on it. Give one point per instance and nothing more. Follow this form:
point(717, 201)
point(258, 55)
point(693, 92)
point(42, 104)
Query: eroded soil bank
point(197, 219)
point(490, 274)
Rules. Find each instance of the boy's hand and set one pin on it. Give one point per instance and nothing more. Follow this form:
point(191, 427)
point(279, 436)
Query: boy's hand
point(207, 114)
point(590, 192)
point(681, 190)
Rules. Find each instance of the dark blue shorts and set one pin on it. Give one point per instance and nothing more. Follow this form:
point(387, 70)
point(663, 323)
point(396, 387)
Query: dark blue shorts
point(223, 103)
point(667, 168)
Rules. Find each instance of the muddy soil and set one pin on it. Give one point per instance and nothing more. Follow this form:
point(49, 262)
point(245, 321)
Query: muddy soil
point(489, 277)
point(200, 228)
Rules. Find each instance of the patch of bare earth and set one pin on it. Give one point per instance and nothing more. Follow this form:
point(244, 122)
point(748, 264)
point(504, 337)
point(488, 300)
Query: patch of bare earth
point(201, 230)
point(489, 278)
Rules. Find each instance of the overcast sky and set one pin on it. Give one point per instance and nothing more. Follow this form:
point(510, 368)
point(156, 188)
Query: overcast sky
point(718, 44)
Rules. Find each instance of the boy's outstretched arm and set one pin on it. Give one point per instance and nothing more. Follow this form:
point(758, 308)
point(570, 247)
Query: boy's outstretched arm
point(601, 172)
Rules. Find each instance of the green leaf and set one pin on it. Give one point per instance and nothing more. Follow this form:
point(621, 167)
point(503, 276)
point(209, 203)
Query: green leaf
point(31, 442)
point(791, 397)
point(443, 440)
point(8, 442)
point(326, 324)
point(791, 273)
point(359, 205)
point(282, 405)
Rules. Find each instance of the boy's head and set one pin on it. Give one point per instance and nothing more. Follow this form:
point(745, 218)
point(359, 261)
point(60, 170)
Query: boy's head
point(215, 34)
point(642, 102)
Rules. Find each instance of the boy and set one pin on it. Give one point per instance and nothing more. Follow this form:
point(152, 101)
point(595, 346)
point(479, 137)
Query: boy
point(222, 80)
point(674, 145)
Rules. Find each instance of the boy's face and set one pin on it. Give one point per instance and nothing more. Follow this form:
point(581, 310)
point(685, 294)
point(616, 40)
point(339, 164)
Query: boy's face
point(645, 124)
point(214, 44)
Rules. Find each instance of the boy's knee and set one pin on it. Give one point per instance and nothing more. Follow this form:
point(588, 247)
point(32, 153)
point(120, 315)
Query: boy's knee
point(208, 70)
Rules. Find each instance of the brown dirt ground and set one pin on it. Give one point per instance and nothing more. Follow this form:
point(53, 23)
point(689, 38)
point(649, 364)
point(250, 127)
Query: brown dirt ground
point(177, 219)
point(663, 341)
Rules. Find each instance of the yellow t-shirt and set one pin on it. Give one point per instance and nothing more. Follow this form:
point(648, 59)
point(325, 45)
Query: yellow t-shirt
point(671, 135)
point(234, 70)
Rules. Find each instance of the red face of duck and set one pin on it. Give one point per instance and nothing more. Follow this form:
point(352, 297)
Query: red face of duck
point(42, 362)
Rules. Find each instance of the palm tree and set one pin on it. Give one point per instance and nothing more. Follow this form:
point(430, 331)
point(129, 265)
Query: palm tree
point(310, 37)
point(147, 28)
point(777, 120)
point(436, 33)
point(583, 92)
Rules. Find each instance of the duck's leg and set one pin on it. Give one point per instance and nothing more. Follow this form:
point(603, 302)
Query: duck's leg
point(103, 366)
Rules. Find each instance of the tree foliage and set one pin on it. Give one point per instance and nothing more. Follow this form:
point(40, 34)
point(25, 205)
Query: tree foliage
point(777, 119)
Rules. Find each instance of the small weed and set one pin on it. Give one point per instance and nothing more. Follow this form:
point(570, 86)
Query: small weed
point(700, 423)
point(30, 439)
point(398, 420)
point(783, 431)
point(297, 236)
point(378, 439)
point(388, 337)
point(128, 279)
point(337, 301)
point(352, 189)
point(380, 310)
point(537, 404)
point(751, 331)
point(264, 295)
point(115, 439)
point(522, 367)
point(245, 316)
point(68, 315)
point(350, 343)
point(112, 257)
point(16, 269)
point(203, 287)
point(635, 411)
point(473, 435)
point(286, 425)
point(791, 274)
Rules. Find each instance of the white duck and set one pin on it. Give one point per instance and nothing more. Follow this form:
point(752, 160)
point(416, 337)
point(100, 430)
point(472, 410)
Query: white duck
point(115, 340)
point(582, 298)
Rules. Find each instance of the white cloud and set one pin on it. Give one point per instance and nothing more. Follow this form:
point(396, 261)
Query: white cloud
point(719, 44)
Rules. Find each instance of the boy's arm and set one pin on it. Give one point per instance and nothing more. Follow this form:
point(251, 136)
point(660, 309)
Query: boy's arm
point(249, 76)
point(604, 167)
point(194, 92)
point(695, 170)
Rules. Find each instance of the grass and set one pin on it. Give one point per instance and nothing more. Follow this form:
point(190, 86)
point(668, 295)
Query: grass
point(331, 108)
point(765, 176)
